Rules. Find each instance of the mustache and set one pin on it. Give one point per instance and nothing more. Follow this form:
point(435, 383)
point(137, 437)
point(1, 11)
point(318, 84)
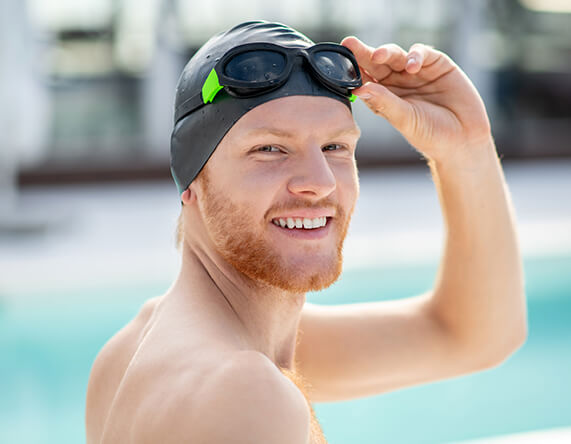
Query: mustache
point(292, 205)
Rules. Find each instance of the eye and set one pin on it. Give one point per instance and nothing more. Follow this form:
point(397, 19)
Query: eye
point(269, 149)
point(333, 147)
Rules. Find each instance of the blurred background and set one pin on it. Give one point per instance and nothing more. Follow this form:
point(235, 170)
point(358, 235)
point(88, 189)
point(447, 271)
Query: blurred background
point(88, 209)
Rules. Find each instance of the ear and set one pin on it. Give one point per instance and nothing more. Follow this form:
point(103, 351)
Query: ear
point(188, 196)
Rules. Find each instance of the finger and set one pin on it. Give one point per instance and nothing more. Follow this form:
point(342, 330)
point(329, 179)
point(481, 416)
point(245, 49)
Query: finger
point(379, 62)
point(362, 52)
point(427, 79)
point(385, 103)
point(366, 77)
point(391, 55)
point(416, 57)
point(422, 56)
point(428, 94)
point(429, 65)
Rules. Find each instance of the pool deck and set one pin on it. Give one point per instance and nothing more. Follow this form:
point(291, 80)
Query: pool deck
point(120, 233)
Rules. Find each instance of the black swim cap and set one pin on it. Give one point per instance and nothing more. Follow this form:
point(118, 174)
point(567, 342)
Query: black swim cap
point(196, 135)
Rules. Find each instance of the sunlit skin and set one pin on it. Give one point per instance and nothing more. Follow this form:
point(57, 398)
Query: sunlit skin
point(213, 359)
point(425, 96)
point(290, 157)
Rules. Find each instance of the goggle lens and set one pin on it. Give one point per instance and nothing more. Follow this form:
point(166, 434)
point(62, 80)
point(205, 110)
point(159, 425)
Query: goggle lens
point(256, 66)
point(335, 66)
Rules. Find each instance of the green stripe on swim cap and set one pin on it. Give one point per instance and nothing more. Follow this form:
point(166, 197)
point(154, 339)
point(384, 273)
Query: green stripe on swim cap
point(211, 87)
point(353, 97)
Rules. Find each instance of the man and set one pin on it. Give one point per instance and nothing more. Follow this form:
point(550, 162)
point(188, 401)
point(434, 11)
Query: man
point(263, 155)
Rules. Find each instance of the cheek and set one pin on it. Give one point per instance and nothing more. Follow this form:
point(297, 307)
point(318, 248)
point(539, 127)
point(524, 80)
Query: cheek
point(264, 181)
point(253, 190)
point(347, 181)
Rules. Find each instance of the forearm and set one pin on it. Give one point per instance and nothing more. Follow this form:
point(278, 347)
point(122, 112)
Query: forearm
point(479, 291)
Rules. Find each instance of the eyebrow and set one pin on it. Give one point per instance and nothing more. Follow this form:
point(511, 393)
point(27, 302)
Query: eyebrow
point(352, 130)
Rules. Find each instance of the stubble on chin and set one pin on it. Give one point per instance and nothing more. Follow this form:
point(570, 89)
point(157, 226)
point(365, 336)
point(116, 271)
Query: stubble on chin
point(234, 236)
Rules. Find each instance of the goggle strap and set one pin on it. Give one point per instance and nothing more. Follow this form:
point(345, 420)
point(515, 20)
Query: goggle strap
point(211, 87)
point(209, 91)
point(188, 106)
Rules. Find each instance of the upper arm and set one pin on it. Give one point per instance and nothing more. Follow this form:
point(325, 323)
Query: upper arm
point(364, 349)
point(249, 402)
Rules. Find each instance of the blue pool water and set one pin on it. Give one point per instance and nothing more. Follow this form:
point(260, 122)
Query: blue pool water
point(48, 347)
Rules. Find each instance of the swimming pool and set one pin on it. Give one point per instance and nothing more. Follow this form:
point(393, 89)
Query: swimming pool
point(47, 350)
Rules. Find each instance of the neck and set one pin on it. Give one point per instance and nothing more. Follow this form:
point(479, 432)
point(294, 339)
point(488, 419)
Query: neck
point(265, 318)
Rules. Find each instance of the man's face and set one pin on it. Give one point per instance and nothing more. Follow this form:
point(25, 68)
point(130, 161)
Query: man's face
point(289, 160)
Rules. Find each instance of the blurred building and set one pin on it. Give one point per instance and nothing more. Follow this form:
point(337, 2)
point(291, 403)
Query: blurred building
point(87, 87)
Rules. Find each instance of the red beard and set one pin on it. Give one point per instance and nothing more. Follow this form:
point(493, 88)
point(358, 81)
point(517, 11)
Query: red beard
point(233, 234)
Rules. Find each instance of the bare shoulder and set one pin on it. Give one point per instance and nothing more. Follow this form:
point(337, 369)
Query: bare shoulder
point(110, 365)
point(245, 400)
point(118, 351)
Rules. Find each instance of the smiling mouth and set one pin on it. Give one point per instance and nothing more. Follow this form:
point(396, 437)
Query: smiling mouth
point(298, 223)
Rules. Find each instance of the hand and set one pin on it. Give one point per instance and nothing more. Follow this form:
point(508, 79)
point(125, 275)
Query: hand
point(424, 95)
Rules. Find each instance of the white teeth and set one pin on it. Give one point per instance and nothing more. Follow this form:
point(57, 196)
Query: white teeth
point(305, 223)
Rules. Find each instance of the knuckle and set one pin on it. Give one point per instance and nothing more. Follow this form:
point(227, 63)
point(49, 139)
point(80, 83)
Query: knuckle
point(393, 49)
point(444, 58)
point(377, 107)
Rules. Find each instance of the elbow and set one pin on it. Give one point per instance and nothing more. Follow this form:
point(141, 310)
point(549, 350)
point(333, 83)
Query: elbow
point(519, 342)
point(506, 341)
point(497, 357)
point(515, 338)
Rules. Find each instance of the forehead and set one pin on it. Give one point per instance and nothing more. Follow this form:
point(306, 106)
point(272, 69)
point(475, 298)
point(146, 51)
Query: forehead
point(297, 114)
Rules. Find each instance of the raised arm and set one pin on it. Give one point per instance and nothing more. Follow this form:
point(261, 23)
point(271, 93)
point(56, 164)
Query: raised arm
point(476, 314)
point(479, 293)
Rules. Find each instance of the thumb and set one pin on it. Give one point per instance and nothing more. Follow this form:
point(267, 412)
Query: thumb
point(386, 104)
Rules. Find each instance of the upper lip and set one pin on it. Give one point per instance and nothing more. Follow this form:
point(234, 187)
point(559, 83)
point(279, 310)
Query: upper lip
point(305, 213)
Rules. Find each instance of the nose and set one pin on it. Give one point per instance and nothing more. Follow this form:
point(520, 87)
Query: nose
point(313, 178)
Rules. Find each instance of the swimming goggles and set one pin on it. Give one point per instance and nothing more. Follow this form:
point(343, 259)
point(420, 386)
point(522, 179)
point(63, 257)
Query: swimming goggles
point(253, 69)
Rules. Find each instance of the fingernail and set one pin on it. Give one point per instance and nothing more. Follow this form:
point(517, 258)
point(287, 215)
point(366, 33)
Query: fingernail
point(364, 95)
point(411, 61)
